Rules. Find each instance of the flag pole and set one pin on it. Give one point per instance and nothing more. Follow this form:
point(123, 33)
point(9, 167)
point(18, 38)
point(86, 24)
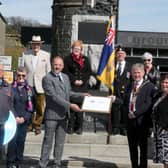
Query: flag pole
point(111, 92)
point(115, 11)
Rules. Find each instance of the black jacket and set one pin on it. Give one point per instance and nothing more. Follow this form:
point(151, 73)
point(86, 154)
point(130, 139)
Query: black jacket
point(122, 82)
point(144, 100)
point(160, 112)
point(5, 102)
point(73, 70)
point(153, 76)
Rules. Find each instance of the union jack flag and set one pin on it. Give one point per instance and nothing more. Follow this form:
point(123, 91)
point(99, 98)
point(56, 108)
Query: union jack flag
point(106, 67)
point(110, 36)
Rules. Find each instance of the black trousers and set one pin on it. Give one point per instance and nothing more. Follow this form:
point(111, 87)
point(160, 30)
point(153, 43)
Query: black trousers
point(119, 116)
point(75, 121)
point(16, 145)
point(137, 138)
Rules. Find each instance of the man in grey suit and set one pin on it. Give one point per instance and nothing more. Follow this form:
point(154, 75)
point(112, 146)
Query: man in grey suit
point(58, 92)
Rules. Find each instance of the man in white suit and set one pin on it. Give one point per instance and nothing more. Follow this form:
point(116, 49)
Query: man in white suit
point(37, 64)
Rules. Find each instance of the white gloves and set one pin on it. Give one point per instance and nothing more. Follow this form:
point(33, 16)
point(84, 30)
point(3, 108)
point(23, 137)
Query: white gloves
point(92, 81)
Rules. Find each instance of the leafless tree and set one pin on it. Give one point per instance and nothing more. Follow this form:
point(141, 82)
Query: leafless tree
point(14, 23)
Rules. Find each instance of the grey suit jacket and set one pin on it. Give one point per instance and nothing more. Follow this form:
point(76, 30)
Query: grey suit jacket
point(58, 96)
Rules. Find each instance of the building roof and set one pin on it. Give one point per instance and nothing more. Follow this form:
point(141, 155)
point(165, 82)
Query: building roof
point(1, 16)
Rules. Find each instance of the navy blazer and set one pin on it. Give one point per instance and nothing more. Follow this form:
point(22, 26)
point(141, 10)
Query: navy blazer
point(144, 100)
point(20, 100)
point(121, 82)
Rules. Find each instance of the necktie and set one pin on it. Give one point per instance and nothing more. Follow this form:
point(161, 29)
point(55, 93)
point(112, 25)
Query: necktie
point(135, 88)
point(59, 77)
point(133, 99)
point(119, 69)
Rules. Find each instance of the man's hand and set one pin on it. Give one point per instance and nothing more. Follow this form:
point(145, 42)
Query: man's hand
point(78, 82)
point(20, 120)
point(113, 98)
point(131, 115)
point(75, 107)
point(86, 94)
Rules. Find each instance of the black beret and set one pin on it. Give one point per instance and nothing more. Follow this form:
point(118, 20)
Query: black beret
point(119, 48)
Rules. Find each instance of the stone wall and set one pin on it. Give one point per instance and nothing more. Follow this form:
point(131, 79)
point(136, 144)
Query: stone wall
point(13, 40)
point(62, 25)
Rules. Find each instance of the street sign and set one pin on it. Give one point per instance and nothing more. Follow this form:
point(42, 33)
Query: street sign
point(7, 62)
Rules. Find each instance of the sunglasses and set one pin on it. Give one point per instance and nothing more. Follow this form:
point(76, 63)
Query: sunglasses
point(147, 60)
point(21, 75)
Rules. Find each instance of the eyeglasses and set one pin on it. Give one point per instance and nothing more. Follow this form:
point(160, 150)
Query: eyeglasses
point(21, 75)
point(147, 60)
point(77, 49)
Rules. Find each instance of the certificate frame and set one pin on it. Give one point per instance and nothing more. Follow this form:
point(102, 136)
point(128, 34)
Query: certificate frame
point(97, 104)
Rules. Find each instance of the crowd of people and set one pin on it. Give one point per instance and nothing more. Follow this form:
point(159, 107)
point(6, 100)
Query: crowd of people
point(51, 90)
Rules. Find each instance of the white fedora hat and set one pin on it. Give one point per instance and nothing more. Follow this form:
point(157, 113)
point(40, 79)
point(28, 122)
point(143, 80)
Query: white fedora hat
point(36, 39)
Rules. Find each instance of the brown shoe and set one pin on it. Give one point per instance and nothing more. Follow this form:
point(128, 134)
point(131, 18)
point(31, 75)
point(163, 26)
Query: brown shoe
point(37, 131)
point(29, 129)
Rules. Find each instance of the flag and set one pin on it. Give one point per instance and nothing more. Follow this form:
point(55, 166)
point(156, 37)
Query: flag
point(106, 67)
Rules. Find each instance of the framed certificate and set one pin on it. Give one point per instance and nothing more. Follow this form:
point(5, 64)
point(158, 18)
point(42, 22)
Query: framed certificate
point(97, 104)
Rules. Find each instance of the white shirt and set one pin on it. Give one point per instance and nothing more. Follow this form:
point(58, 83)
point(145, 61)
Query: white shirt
point(133, 99)
point(34, 61)
point(122, 66)
point(60, 76)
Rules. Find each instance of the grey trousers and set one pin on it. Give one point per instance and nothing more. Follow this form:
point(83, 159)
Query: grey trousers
point(57, 128)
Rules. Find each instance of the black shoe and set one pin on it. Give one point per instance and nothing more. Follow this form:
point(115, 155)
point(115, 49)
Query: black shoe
point(79, 131)
point(123, 132)
point(37, 131)
point(116, 131)
point(70, 131)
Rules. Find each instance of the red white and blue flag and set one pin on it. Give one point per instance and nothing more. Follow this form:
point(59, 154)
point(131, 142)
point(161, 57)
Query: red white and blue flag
point(106, 67)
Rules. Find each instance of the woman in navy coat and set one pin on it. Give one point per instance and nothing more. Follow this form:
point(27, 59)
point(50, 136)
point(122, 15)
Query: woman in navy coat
point(23, 104)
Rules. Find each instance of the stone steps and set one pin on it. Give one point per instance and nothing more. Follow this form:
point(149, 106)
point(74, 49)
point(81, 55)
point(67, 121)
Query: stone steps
point(88, 150)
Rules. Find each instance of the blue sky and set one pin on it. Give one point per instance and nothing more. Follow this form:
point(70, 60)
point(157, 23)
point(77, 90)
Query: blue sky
point(136, 15)
point(39, 10)
point(143, 15)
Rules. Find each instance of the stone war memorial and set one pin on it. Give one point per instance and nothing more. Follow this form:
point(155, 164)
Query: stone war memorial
point(84, 20)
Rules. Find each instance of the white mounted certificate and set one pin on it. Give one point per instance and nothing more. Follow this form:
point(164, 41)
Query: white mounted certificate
point(97, 104)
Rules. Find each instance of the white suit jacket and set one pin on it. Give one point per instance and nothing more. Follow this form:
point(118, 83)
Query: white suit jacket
point(35, 76)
